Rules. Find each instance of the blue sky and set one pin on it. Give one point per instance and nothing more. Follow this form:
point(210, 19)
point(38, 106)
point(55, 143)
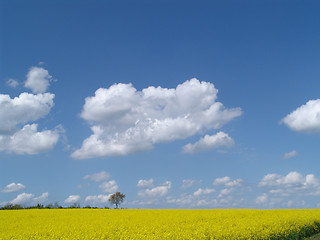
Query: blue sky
point(177, 104)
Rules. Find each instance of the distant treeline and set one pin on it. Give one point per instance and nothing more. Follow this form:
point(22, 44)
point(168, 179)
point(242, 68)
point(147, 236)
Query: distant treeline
point(11, 206)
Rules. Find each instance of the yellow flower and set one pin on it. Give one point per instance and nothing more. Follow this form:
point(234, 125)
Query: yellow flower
point(157, 224)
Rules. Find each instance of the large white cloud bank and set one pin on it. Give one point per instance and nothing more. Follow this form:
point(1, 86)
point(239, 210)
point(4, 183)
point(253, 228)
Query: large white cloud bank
point(125, 121)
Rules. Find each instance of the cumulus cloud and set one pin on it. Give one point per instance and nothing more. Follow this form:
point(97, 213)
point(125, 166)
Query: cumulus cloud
point(293, 183)
point(290, 154)
point(13, 187)
point(155, 192)
point(204, 191)
point(144, 202)
point(125, 121)
point(42, 198)
point(29, 141)
point(72, 199)
point(12, 83)
point(281, 191)
point(227, 181)
point(311, 180)
point(187, 183)
point(22, 198)
point(18, 137)
point(38, 80)
point(203, 201)
point(98, 177)
point(292, 178)
point(234, 183)
point(208, 142)
point(289, 190)
point(29, 198)
point(262, 199)
point(20, 110)
point(145, 183)
point(109, 187)
point(221, 181)
point(271, 179)
point(225, 191)
point(190, 200)
point(97, 199)
point(306, 118)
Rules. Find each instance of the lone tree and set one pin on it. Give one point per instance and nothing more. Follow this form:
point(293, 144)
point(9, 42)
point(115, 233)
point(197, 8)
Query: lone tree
point(117, 198)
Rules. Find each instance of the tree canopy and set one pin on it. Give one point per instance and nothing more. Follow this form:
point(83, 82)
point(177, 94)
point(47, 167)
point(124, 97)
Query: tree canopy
point(117, 198)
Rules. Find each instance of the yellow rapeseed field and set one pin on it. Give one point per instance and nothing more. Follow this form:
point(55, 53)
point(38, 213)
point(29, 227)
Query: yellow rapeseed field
point(157, 224)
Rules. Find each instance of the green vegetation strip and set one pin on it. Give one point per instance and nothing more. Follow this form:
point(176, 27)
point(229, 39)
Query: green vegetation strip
point(314, 237)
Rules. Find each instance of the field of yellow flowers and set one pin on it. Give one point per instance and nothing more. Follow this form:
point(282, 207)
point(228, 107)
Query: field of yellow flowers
point(158, 224)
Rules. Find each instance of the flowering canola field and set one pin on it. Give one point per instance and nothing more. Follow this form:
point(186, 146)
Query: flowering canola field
point(158, 224)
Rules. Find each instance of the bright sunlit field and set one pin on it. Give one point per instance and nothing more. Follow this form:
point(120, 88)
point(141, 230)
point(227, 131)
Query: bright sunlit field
point(158, 224)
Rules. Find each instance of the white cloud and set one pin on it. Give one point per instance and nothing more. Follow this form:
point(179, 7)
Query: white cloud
point(227, 181)
point(155, 192)
point(143, 202)
point(22, 198)
point(98, 177)
point(126, 121)
point(292, 184)
point(98, 199)
point(29, 198)
point(271, 179)
point(292, 178)
point(311, 180)
point(208, 142)
point(306, 118)
point(234, 183)
point(13, 187)
point(290, 203)
point(204, 191)
point(278, 192)
point(109, 187)
point(199, 201)
point(262, 199)
point(12, 83)
point(187, 183)
point(20, 110)
point(193, 201)
point(203, 202)
point(42, 198)
point(29, 141)
point(38, 80)
point(145, 183)
point(290, 154)
point(72, 199)
point(221, 181)
point(184, 199)
point(225, 191)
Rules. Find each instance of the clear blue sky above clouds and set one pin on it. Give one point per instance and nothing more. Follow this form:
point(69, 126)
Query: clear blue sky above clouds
point(177, 104)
